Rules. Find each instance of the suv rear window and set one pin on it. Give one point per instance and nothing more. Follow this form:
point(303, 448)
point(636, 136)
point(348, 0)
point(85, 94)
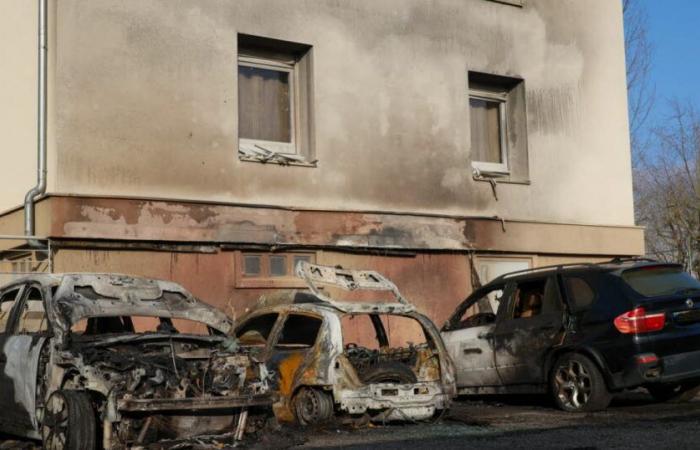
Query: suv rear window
point(654, 281)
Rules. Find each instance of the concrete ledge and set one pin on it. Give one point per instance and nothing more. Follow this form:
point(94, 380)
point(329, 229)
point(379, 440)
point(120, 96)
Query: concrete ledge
point(72, 217)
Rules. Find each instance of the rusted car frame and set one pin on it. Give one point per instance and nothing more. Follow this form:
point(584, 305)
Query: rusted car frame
point(319, 376)
point(136, 384)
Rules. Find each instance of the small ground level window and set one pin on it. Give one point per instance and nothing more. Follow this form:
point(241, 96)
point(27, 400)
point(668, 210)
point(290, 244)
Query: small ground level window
point(261, 270)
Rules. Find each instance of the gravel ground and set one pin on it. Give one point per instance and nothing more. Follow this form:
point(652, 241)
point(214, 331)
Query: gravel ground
point(632, 421)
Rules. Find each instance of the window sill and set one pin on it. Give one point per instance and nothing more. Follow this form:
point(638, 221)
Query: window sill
point(518, 3)
point(277, 160)
point(500, 179)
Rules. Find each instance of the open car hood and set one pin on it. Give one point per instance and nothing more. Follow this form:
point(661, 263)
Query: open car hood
point(81, 296)
point(316, 276)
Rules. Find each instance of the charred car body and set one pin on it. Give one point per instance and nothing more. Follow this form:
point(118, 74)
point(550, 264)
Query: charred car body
point(581, 332)
point(335, 357)
point(98, 357)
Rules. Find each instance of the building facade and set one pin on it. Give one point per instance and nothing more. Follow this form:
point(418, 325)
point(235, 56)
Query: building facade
point(216, 143)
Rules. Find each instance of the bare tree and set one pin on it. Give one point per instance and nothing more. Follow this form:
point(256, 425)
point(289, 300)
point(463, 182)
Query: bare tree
point(668, 190)
point(641, 92)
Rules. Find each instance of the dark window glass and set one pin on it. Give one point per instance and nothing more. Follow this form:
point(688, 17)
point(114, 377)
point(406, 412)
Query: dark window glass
point(653, 281)
point(299, 331)
point(529, 298)
point(252, 266)
point(581, 294)
point(278, 266)
point(261, 324)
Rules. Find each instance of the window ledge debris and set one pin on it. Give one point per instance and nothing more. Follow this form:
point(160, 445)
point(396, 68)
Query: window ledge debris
point(259, 154)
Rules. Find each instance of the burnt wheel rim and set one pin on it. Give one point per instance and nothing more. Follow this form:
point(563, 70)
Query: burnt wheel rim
point(573, 385)
point(309, 407)
point(55, 423)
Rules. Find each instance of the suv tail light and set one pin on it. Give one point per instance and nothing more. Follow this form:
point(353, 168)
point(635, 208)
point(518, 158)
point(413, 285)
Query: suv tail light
point(638, 321)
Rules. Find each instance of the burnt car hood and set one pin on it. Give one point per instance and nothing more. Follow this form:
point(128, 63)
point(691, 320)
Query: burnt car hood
point(81, 296)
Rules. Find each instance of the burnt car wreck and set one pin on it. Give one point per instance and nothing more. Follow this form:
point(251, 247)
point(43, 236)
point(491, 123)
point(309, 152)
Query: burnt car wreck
point(117, 361)
point(336, 356)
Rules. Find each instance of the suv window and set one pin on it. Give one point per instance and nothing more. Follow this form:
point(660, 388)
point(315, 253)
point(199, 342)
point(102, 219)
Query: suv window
point(534, 297)
point(299, 331)
point(482, 311)
point(7, 301)
point(32, 319)
point(257, 330)
point(580, 293)
point(653, 281)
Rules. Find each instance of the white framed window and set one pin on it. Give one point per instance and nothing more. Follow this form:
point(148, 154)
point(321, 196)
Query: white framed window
point(274, 101)
point(489, 127)
point(267, 104)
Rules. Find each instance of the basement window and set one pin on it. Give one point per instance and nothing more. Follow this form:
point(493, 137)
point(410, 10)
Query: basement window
point(274, 120)
point(262, 270)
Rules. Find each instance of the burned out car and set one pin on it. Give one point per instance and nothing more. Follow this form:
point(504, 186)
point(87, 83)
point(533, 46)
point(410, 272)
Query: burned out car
point(369, 361)
point(104, 360)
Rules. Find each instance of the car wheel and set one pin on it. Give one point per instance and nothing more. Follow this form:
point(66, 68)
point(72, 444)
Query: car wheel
point(312, 406)
point(676, 393)
point(389, 372)
point(577, 384)
point(69, 422)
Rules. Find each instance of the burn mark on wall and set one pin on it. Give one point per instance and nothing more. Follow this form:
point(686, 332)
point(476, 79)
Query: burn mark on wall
point(161, 221)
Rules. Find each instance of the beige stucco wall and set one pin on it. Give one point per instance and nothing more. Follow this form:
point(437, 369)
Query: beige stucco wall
point(145, 103)
point(18, 56)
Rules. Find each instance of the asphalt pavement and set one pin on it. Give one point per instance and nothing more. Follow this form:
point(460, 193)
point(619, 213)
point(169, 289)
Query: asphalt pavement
point(633, 421)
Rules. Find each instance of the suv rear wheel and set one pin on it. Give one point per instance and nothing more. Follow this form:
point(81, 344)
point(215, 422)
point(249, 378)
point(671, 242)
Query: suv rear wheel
point(577, 384)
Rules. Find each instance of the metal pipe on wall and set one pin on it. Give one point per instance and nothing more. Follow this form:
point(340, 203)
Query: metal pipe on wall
point(40, 188)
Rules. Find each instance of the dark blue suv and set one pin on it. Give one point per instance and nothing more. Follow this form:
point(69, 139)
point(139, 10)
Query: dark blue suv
point(581, 332)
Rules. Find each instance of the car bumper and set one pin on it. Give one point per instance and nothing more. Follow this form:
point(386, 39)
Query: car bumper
point(192, 404)
point(416, 401)
point(667, 369)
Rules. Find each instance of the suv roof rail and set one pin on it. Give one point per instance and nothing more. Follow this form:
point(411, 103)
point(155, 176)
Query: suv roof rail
point(620, 260)
point(547, 268)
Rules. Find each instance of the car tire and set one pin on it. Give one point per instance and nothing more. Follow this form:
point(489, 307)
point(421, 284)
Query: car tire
point(69, 422)
point(674, 393)
point(312, 407)
point(577, 385)
point(389, 372)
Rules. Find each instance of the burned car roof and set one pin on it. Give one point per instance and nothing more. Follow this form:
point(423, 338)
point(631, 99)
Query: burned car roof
point(82, 295)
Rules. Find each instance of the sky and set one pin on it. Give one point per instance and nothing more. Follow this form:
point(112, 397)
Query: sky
point(674, 32)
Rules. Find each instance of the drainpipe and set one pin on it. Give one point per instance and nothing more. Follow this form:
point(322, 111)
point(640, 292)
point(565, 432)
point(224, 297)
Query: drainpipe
point(40, 188)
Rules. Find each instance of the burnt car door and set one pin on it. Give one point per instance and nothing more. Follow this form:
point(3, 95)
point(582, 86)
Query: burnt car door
point(290, 344)
point(468, 336)
point(532, 324)
point(8, 298)
point(22, 349)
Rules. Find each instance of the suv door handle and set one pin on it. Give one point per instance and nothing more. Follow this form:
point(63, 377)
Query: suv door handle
point(485, 335)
